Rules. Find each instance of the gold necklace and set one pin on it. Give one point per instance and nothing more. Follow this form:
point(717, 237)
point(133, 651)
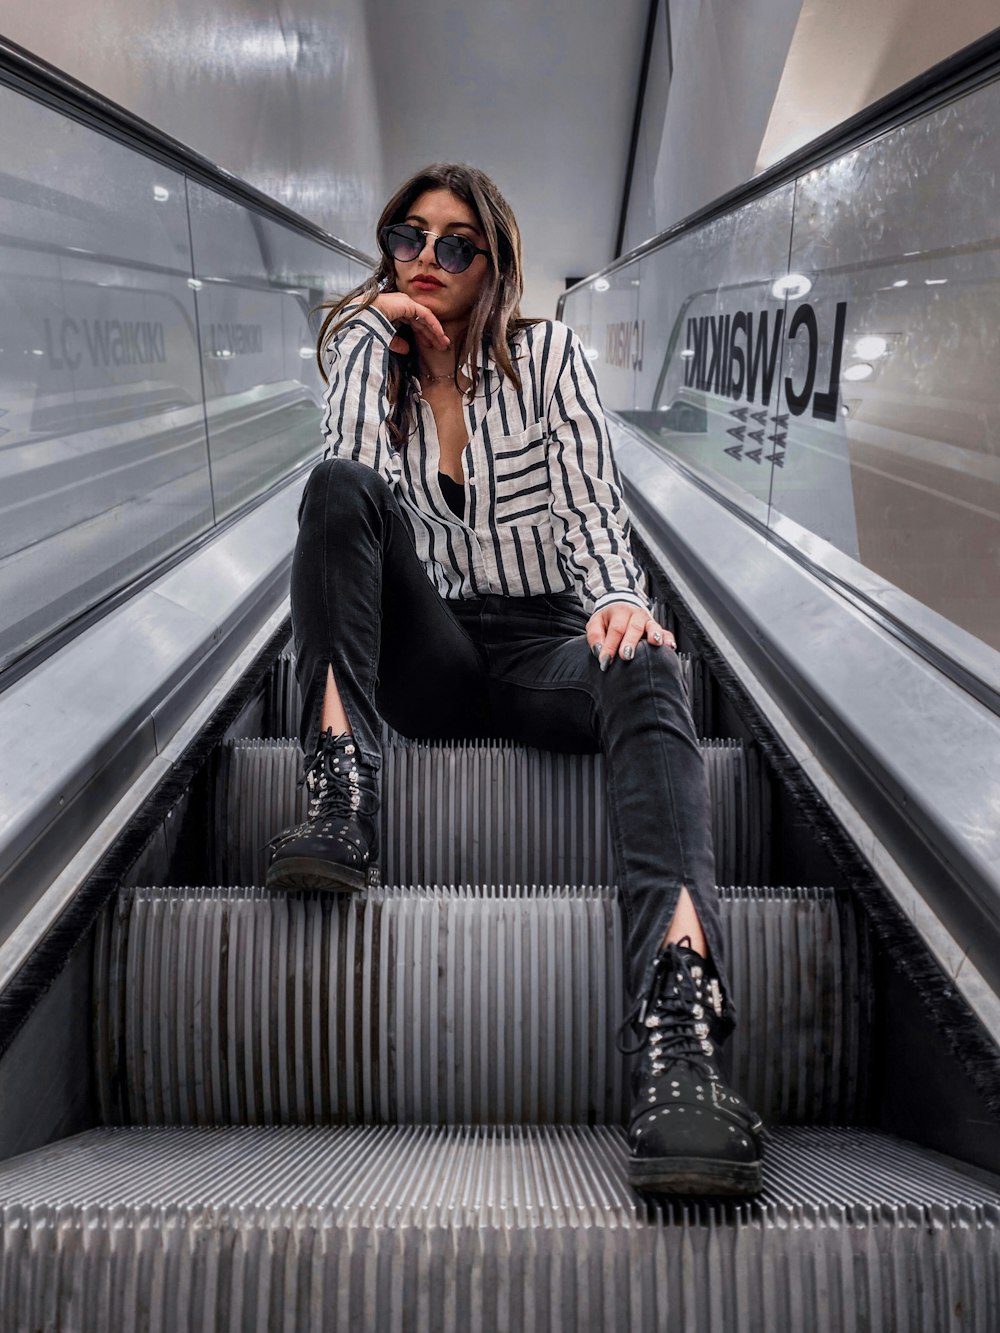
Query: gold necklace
point(430, 379)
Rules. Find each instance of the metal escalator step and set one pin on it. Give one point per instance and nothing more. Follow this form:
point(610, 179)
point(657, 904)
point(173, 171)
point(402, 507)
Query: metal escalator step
point(448, 1005)
point(531, 1228)
point(477, 812)
point(283, 700)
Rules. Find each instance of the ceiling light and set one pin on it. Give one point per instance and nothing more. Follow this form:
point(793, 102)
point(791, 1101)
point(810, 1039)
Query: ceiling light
point(861, 370)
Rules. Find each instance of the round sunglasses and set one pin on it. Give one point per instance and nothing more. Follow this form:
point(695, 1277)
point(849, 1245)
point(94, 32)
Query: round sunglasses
point(453, 253)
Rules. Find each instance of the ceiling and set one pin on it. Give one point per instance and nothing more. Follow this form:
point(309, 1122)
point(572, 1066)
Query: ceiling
point(540, 96)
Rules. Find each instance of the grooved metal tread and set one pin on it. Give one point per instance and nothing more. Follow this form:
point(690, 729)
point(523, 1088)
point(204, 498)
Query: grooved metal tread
point(497, 1004)
point(482, 812)
point(486, 1229)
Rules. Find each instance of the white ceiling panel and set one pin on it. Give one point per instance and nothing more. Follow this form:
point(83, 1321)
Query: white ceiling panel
point(539, 95)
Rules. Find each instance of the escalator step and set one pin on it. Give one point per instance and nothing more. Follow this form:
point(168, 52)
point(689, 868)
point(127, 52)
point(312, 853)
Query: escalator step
point(483, 813)
point(236, 1006)
point(283, 700)
point(456, 1229)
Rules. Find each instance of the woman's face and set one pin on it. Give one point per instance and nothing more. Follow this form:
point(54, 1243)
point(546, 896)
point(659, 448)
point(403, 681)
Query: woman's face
point(450, 295)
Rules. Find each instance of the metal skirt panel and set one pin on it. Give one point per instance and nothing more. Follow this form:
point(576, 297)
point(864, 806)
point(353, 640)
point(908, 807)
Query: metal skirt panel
point(530, 1228)
point(448, 1005)
point(484, 813)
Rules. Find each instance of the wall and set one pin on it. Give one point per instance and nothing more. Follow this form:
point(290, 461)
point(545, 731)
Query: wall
point(843, 57)
point(755, 79)
point(279, 93)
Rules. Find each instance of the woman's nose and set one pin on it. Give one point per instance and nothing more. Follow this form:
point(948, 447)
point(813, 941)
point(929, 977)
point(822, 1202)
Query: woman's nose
point(428, 245)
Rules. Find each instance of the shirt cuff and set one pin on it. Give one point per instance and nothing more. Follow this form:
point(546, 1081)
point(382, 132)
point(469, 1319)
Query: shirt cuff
point(374, 321)
point(633, 598)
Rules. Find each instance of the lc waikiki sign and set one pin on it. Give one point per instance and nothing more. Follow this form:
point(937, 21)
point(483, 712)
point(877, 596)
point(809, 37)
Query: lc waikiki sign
point(736, 356)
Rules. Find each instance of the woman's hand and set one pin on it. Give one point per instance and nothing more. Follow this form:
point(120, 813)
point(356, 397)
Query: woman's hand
point(401, 309)
point(618, 627)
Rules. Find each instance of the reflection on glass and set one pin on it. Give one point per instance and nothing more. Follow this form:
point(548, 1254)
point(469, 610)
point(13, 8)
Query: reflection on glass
point(838, 364)
point(902, 234)
point(259, 283)
point(118, 346)
point(103, 459)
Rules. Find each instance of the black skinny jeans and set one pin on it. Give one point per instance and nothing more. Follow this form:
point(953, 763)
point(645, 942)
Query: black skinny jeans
point(517, 668)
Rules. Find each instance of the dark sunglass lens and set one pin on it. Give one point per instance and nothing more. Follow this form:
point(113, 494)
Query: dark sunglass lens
point(403, 242)
point(454, 253)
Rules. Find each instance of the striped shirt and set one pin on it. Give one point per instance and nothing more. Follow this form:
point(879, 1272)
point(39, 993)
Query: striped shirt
point(543, 501)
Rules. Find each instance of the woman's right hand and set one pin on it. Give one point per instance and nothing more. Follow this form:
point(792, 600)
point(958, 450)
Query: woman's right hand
point(399, 308)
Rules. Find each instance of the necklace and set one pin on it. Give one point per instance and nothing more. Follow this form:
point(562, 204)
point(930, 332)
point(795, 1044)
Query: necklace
point(432, 379)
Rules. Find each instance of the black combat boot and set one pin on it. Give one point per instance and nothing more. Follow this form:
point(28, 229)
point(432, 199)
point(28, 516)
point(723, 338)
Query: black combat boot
point(688, 1132)
point(337, 847)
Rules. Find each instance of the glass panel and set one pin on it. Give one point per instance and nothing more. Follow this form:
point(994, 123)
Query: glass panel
point(710, 326)
point(611, 333)
point(259, 286)
point(103, 458)
point(899, 241)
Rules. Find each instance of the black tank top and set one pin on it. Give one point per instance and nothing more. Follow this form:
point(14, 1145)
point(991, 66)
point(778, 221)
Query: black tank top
point(454, 493)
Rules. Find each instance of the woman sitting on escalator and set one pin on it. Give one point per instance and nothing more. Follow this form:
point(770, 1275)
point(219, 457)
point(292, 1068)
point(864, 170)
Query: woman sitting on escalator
point(463, 570)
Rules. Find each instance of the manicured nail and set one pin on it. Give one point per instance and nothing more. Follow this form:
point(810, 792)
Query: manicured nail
point(595, 648)
point(628, 652)
point(605, 661)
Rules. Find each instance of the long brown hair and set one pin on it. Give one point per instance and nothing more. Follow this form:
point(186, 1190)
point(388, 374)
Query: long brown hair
point(496, 316)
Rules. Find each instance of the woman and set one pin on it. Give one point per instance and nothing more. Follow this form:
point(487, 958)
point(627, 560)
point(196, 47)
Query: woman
point(463, 570)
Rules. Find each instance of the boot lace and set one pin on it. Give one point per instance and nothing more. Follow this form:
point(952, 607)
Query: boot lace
point(670, 1019)
point(333, 780)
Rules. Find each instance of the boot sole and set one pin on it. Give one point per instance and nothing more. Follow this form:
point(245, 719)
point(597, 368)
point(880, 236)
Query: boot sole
point(307, 872)
point(694, 1175)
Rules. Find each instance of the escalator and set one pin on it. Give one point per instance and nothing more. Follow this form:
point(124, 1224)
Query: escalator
point(228, 1108)
point(403, 1108)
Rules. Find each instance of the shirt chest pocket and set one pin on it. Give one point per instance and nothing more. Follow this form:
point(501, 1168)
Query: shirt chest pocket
point(520, 476)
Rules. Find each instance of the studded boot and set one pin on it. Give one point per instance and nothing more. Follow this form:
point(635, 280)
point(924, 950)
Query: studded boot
point(688, 1133)
point(338, 845)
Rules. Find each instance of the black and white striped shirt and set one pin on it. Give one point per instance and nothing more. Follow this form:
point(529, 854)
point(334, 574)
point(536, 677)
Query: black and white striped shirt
point(543, 501)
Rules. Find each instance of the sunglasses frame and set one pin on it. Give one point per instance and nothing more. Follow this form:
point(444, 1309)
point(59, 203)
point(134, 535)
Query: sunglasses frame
point(438, 240)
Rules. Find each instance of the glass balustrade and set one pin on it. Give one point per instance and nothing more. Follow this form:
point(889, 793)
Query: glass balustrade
point(828, 354)
point(157, 363)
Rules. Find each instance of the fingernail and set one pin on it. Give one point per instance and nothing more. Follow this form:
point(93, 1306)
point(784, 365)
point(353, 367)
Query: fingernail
point(605, 661)
point(595, 648)
point(628, 652)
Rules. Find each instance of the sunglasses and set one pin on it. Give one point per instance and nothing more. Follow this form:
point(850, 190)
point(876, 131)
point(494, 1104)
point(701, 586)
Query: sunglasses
point(453, 253)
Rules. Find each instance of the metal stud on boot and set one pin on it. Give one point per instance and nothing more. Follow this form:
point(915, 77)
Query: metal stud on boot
point(688, 1132)
point(337, 847)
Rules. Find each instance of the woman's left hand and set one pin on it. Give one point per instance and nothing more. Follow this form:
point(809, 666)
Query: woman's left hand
point(617, 628)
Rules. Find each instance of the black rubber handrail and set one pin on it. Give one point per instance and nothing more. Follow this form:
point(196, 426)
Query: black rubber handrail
point(36, 78)
point(968, 69)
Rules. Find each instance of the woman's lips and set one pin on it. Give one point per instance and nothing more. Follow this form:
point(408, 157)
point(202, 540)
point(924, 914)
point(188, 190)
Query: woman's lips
point(428, 284)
